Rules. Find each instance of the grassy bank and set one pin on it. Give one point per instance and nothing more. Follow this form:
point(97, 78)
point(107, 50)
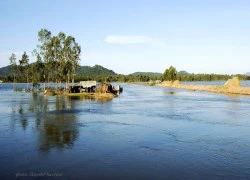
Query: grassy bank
point(209, 88)
point(98, 96)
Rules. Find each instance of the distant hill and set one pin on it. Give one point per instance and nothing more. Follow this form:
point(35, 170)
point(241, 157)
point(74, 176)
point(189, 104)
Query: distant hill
point(96, 70)
point(183, 72)
point(146, 74)
point(5, 71)
point(248, 73)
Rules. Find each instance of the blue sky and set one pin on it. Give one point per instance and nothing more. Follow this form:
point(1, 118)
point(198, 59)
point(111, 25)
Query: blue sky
point(210, 36)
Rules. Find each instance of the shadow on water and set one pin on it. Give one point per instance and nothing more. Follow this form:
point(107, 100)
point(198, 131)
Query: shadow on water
point(171, 92)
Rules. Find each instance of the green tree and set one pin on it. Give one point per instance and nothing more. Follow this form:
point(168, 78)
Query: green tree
point(44, 51)
point(170, 74)
point(72, 51)
point(60, 54)
point(24, 67)
point(13, 66)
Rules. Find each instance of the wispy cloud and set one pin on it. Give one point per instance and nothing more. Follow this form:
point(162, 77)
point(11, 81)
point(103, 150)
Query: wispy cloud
point(112, 39)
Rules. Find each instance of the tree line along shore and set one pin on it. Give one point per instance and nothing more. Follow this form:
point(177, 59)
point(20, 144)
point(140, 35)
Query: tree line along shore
point(101, 74)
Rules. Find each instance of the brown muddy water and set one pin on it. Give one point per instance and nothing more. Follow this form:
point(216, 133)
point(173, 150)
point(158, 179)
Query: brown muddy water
point(145, 133)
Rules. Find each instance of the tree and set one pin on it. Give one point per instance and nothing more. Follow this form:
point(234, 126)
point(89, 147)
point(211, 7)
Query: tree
point(170, 74)
point(44, 37)
point(24, 67)
point(72, 51)
point(60, 55)
point(13, 66)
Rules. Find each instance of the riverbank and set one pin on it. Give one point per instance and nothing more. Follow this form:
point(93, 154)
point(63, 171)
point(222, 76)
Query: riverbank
point(97, 96)
point(209, 88)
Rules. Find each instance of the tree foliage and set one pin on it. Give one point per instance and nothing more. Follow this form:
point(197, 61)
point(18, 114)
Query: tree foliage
point(24, 67)
point(170, 74)
point(13, 65)
point(60, 55)
point(57, 59)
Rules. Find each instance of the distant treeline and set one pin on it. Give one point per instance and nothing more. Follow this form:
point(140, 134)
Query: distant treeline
point(209, 77)
point(118, 78)
point(145, 78)
point(140, 78)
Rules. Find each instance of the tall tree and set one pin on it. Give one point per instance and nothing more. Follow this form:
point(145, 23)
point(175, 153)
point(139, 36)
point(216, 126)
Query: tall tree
point(44, 50)
point(72, 51)
point(13, 66)
point(61, 59)
point(24, 67)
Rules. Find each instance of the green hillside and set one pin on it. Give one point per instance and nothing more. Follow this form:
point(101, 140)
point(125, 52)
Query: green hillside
point(183, 73)
point(89, 71)
point(96, 70)
point(5, 71)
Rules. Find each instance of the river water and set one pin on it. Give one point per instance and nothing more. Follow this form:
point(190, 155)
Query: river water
point(145, 133)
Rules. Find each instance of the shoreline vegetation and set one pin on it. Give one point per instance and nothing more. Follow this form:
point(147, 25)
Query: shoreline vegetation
point(97, 96)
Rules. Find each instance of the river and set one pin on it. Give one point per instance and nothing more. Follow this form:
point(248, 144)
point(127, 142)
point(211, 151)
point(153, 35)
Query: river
point(145, 133)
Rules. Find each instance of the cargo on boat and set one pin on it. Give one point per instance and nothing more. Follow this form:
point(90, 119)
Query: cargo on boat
point(82, 86)
point(93, 87)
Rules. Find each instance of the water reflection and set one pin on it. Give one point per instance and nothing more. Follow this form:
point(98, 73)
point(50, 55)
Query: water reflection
point(53, 117)
point(58, 131)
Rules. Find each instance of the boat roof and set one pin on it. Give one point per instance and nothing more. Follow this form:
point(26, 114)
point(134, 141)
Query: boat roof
point(85, 84)
point(88, 83)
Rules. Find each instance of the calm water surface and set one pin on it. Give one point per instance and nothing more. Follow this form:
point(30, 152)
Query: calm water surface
point(145, 133)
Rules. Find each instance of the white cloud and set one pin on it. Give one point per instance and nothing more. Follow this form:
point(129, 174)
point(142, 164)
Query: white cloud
point(112, 39)
point(157, 43)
